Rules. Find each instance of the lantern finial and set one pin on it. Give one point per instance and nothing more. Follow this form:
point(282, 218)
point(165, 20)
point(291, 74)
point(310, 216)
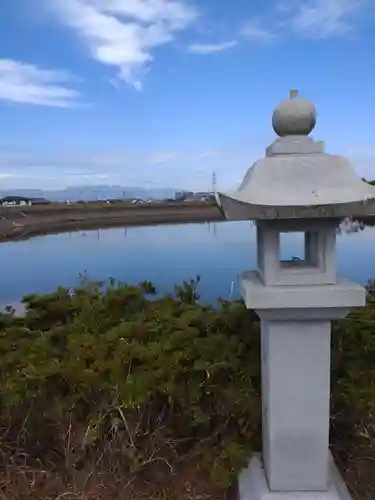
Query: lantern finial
point(294, 116)
point(293, 93)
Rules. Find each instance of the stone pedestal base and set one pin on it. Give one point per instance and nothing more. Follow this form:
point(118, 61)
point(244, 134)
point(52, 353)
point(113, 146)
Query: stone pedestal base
point(253, 485)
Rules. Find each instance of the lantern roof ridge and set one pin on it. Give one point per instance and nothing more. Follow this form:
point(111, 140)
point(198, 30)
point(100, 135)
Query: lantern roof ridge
point(297, 178)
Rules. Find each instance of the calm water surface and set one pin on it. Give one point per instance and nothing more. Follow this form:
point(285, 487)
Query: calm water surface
point(163, 254)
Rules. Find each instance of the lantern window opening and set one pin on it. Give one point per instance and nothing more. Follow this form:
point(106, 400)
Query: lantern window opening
point(312, 262)
point(298, 250)
point(292, 247)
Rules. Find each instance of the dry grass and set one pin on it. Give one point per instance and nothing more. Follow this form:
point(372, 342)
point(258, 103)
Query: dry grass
point(157, 482)
point(356, 460)
point(105, 474)
point(131, 465)
point(179, 485)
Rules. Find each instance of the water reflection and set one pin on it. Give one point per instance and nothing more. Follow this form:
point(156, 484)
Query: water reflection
point(163, 254)
point(212, 228)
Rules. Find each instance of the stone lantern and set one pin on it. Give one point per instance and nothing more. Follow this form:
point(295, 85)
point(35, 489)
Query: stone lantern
point(297, 187)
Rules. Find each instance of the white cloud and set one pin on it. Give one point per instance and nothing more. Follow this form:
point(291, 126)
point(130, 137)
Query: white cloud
point(321, 18)
point(27, 84)
point(209, 48)
point(123, 33)
point(254, 31)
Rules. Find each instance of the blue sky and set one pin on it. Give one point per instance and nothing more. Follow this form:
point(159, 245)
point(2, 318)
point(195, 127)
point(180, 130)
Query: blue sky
point(164, 92)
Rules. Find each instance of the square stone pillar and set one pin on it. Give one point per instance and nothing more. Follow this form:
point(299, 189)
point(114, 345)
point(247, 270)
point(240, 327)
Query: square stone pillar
point(295, 404)
point(295, 463)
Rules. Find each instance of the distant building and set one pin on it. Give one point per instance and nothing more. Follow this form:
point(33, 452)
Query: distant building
point(204, 194)
point(9, 201)
point(183, 195)
point(172, 200)
point(191, 196)
point(199, 197)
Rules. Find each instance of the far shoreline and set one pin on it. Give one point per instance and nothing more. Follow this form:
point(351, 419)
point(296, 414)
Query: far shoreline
point(20, 223)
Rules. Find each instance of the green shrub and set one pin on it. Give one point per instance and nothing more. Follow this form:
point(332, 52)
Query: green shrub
point(165, 378)
point(112, 375)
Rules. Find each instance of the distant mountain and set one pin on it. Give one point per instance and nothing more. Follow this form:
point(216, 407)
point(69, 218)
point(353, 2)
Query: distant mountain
point(91, 193)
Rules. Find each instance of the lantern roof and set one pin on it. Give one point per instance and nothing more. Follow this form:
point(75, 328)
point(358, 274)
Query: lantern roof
point(297, 178)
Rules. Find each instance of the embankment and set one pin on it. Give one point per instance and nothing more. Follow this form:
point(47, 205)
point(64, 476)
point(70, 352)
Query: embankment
point(24, 222)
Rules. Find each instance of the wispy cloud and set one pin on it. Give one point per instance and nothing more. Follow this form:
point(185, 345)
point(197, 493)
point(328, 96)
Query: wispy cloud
point(160, 157)
point(255, 32)
point(321, 18)
point(28, 84)
point(209, 153)
point(209, 48)
point(163, 157)
point(123, 33)
point(55, 167)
